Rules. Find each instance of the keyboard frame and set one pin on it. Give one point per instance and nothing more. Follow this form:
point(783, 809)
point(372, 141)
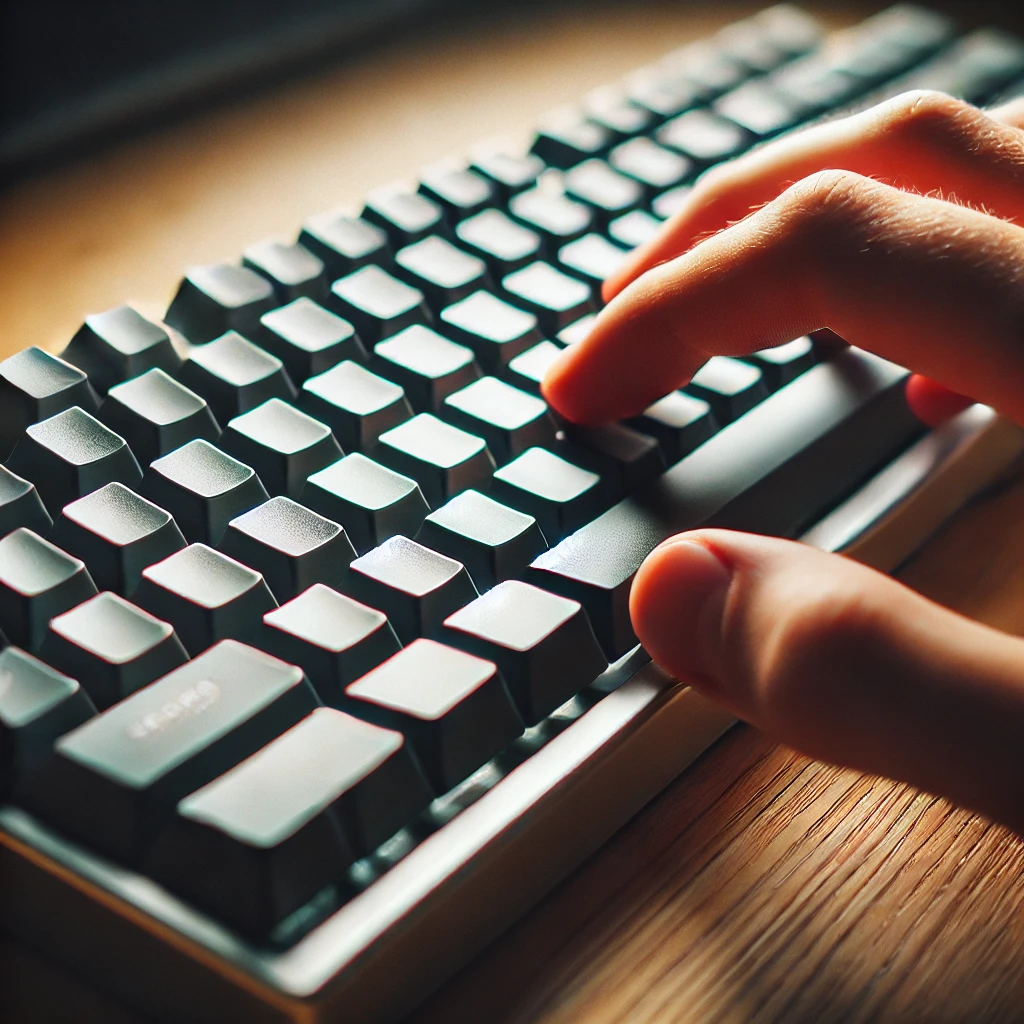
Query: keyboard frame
point(465, 884)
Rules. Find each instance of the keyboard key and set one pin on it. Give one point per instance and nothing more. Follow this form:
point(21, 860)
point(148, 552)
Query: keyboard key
point(453, 708)
point(442, 459)
point(331, 637)
point(370, 501)
point(415, 587)
point(428, 366)
point(576, 331)
point(253, 846)
point(625, 458)
point(37, 582)
point(662, 97)
point(34, 386)
point(234, 375)
point(528, 369)
point(509, 420)
point(784, 363)
point(343, 243)
point(555, 298)
point(553, 215)
point(758, 109)
point(291, 546)
point(155, 415)
point(494, 330)
point(404, 216)
point(560, 496)
point(283, 445)
point(730, 386)
point(507, 172)
point(292, 270)
point(356, 404)
point(113, 346)
point(569, 138)
point(117, 534)
point(203, 488)
point(20, 505)
point(655, 167)
point(592, 258)
point(442, 272)
point(613, 111)
point(494, 542)
point(71, 454)
point(205, 596)
point(112, 646)
point(502, 243)
point(710, 67)
point(459, 191)
point(635, 228)
point(703, 137)
point(680, 422)
point(602, 188)
point(542, 643)
point(37, 706)
point(215, 299)
point(669, 203)
point(378, 304)
point(114, 782)
point(309, 339)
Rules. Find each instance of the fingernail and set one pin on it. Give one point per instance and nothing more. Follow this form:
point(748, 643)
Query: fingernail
point(677, 603)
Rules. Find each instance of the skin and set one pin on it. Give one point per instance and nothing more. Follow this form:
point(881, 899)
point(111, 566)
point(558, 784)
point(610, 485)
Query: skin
point(901, 230)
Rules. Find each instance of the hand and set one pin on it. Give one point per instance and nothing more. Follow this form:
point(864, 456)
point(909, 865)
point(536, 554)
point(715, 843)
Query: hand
point(910, 249)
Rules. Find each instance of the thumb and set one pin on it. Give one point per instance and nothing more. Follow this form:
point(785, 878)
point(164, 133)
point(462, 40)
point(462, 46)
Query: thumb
point(841, 662)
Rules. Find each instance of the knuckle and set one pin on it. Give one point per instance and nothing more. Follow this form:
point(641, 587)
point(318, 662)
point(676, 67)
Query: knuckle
point(927, 112)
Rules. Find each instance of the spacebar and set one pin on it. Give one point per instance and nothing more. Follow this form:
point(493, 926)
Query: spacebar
point(775, 470)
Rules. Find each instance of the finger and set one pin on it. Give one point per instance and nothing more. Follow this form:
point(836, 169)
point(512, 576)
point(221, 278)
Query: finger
point(933, 286)
point(933, 403)
point(841, 662)
point(921, 141)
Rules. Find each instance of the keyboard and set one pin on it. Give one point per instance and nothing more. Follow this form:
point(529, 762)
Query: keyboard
point(317, 668)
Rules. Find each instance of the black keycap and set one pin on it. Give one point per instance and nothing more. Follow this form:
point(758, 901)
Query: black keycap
point(205, 596)
point(309, 339)
point(71, 454)
point(34, 386)
point(378, 304)
point(452, 707)
point(542, 643)
point(114, 781)
point(292, 270)
point(577, 330)
point(234, 375)
point(730, 386)
point(652, 165)
point(118, 344)
point(404, 216)
point(415, 587)
point(555, 298)
point(703, 137)
point(155, 415)
point(343, 243)
point(459, 191)
point(507, 172)
point(569, 138)
point(509, 420)
point(624, 457)
point(290, 545)
point(203, 488)
point(605, 190)
point(356, 404)
point(494, 542)
point(20, 505)
point(774, 470)
point(215, 299)
point(442, 459)
point(559, 495)
point(37, 706)
point(670, 202)
point(635, 228)
point(442, 272)
point(784, 363)
point(528, 369)
point(258, 843)
point(591, 258)
point(283, 445)
point(493, 329)
point(37, 582)
point(333, 638)
point(369, 500)
point(553, 215)
point(680, 422)
point(117, 534)
point(428, 366)
point(502, 243)
point(112, 646)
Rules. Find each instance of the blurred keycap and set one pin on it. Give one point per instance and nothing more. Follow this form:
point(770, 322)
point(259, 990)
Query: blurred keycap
point(703, 137)
point(308, 339)
point(214, 299)
point(680, 422)
point(441, 271)
point(459, 191)
point(493, 329)
point(404, 216)
point(344, 243)
point(567, 138)
point(502, 243)
point(635, 228)
point(556, 299)
point(427, 365)
point(20, 505)
point(730, 386)
point(577, 330)
point(292, 270)
point(592, 258)
point(528, 369)
point(553, 215)
point(613, 110)
point(377, 304)
point(654, 166)
point(607, 192)
point(508, 172)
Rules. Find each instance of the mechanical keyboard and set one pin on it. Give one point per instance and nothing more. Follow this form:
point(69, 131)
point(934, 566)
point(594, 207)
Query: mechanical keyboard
point(317, 667)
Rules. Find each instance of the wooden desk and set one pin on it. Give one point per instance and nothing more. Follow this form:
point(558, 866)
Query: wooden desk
point(761, 886)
